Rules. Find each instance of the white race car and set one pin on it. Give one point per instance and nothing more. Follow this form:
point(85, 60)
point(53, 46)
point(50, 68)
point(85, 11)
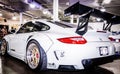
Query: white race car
point(44, 45)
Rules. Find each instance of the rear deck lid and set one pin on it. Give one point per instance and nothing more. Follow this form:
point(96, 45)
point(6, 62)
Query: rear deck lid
point(96, 36)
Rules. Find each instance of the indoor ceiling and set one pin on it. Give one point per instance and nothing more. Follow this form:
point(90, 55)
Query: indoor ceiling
point(11, 8)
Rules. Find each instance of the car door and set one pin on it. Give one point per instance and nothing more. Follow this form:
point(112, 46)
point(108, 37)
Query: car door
point(19, 39)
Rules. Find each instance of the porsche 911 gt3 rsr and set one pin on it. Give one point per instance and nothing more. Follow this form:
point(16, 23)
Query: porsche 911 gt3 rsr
point(54, 45)
point(44, 45)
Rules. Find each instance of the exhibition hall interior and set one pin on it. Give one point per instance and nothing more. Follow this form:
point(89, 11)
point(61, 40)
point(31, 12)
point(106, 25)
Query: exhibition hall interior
point(59, 36)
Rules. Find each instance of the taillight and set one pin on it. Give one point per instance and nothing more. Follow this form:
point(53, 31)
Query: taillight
point(112, 39)
point(73, 40)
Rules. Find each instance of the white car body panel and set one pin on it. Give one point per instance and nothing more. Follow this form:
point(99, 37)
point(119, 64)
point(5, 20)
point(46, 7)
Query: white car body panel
point(79, 53)
point(59, 53)
point(18, 44)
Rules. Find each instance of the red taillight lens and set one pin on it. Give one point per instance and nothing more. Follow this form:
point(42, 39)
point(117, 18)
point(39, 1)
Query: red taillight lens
point(73, 40)
point(111, 39)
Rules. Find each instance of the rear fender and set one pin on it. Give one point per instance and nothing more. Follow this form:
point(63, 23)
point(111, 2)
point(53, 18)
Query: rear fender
point(44, 41)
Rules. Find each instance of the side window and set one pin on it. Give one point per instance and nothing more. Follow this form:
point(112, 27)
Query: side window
point(41, 26)
point(37, 28)
point(26, 28)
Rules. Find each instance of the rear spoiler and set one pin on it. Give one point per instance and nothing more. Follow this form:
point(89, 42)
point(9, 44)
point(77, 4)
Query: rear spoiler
point(79, 9)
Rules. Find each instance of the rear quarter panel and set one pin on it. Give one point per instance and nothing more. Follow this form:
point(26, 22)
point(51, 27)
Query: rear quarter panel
point(44, 41)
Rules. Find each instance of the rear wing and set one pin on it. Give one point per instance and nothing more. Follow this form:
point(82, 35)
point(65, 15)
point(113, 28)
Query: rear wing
point(79, 9)
point(86, 12)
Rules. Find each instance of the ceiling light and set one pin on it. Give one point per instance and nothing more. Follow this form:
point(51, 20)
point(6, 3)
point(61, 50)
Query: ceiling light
point(106, 1)
point(14, 18)
point(25, 20)
point(98, 19)
point(102, 9)
point(105, 21)
point(67, 3)
point(1, 5)
point(45, 12)
point(32, 5)
point(1, 14)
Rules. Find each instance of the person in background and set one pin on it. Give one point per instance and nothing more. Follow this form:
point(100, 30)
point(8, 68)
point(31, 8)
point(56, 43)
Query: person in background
point(4, 30)
point(1, 34)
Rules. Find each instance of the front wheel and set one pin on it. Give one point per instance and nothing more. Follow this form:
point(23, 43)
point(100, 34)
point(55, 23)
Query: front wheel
point(3, 48)
point(35, 56)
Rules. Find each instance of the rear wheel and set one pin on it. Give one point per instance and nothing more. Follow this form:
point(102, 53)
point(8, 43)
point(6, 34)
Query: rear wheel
point(3, 48)
point(35, 56)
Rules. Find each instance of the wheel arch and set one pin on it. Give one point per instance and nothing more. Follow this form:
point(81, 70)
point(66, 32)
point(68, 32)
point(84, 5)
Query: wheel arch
point(41, 39)
point(43, 62)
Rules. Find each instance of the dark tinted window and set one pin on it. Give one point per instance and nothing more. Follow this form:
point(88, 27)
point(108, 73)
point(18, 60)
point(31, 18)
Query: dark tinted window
point(31, 27)
point(26, 28)
point(41, 26)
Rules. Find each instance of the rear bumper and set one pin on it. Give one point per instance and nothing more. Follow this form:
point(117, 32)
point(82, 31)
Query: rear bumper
point(66, 56)
point(88, 63)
